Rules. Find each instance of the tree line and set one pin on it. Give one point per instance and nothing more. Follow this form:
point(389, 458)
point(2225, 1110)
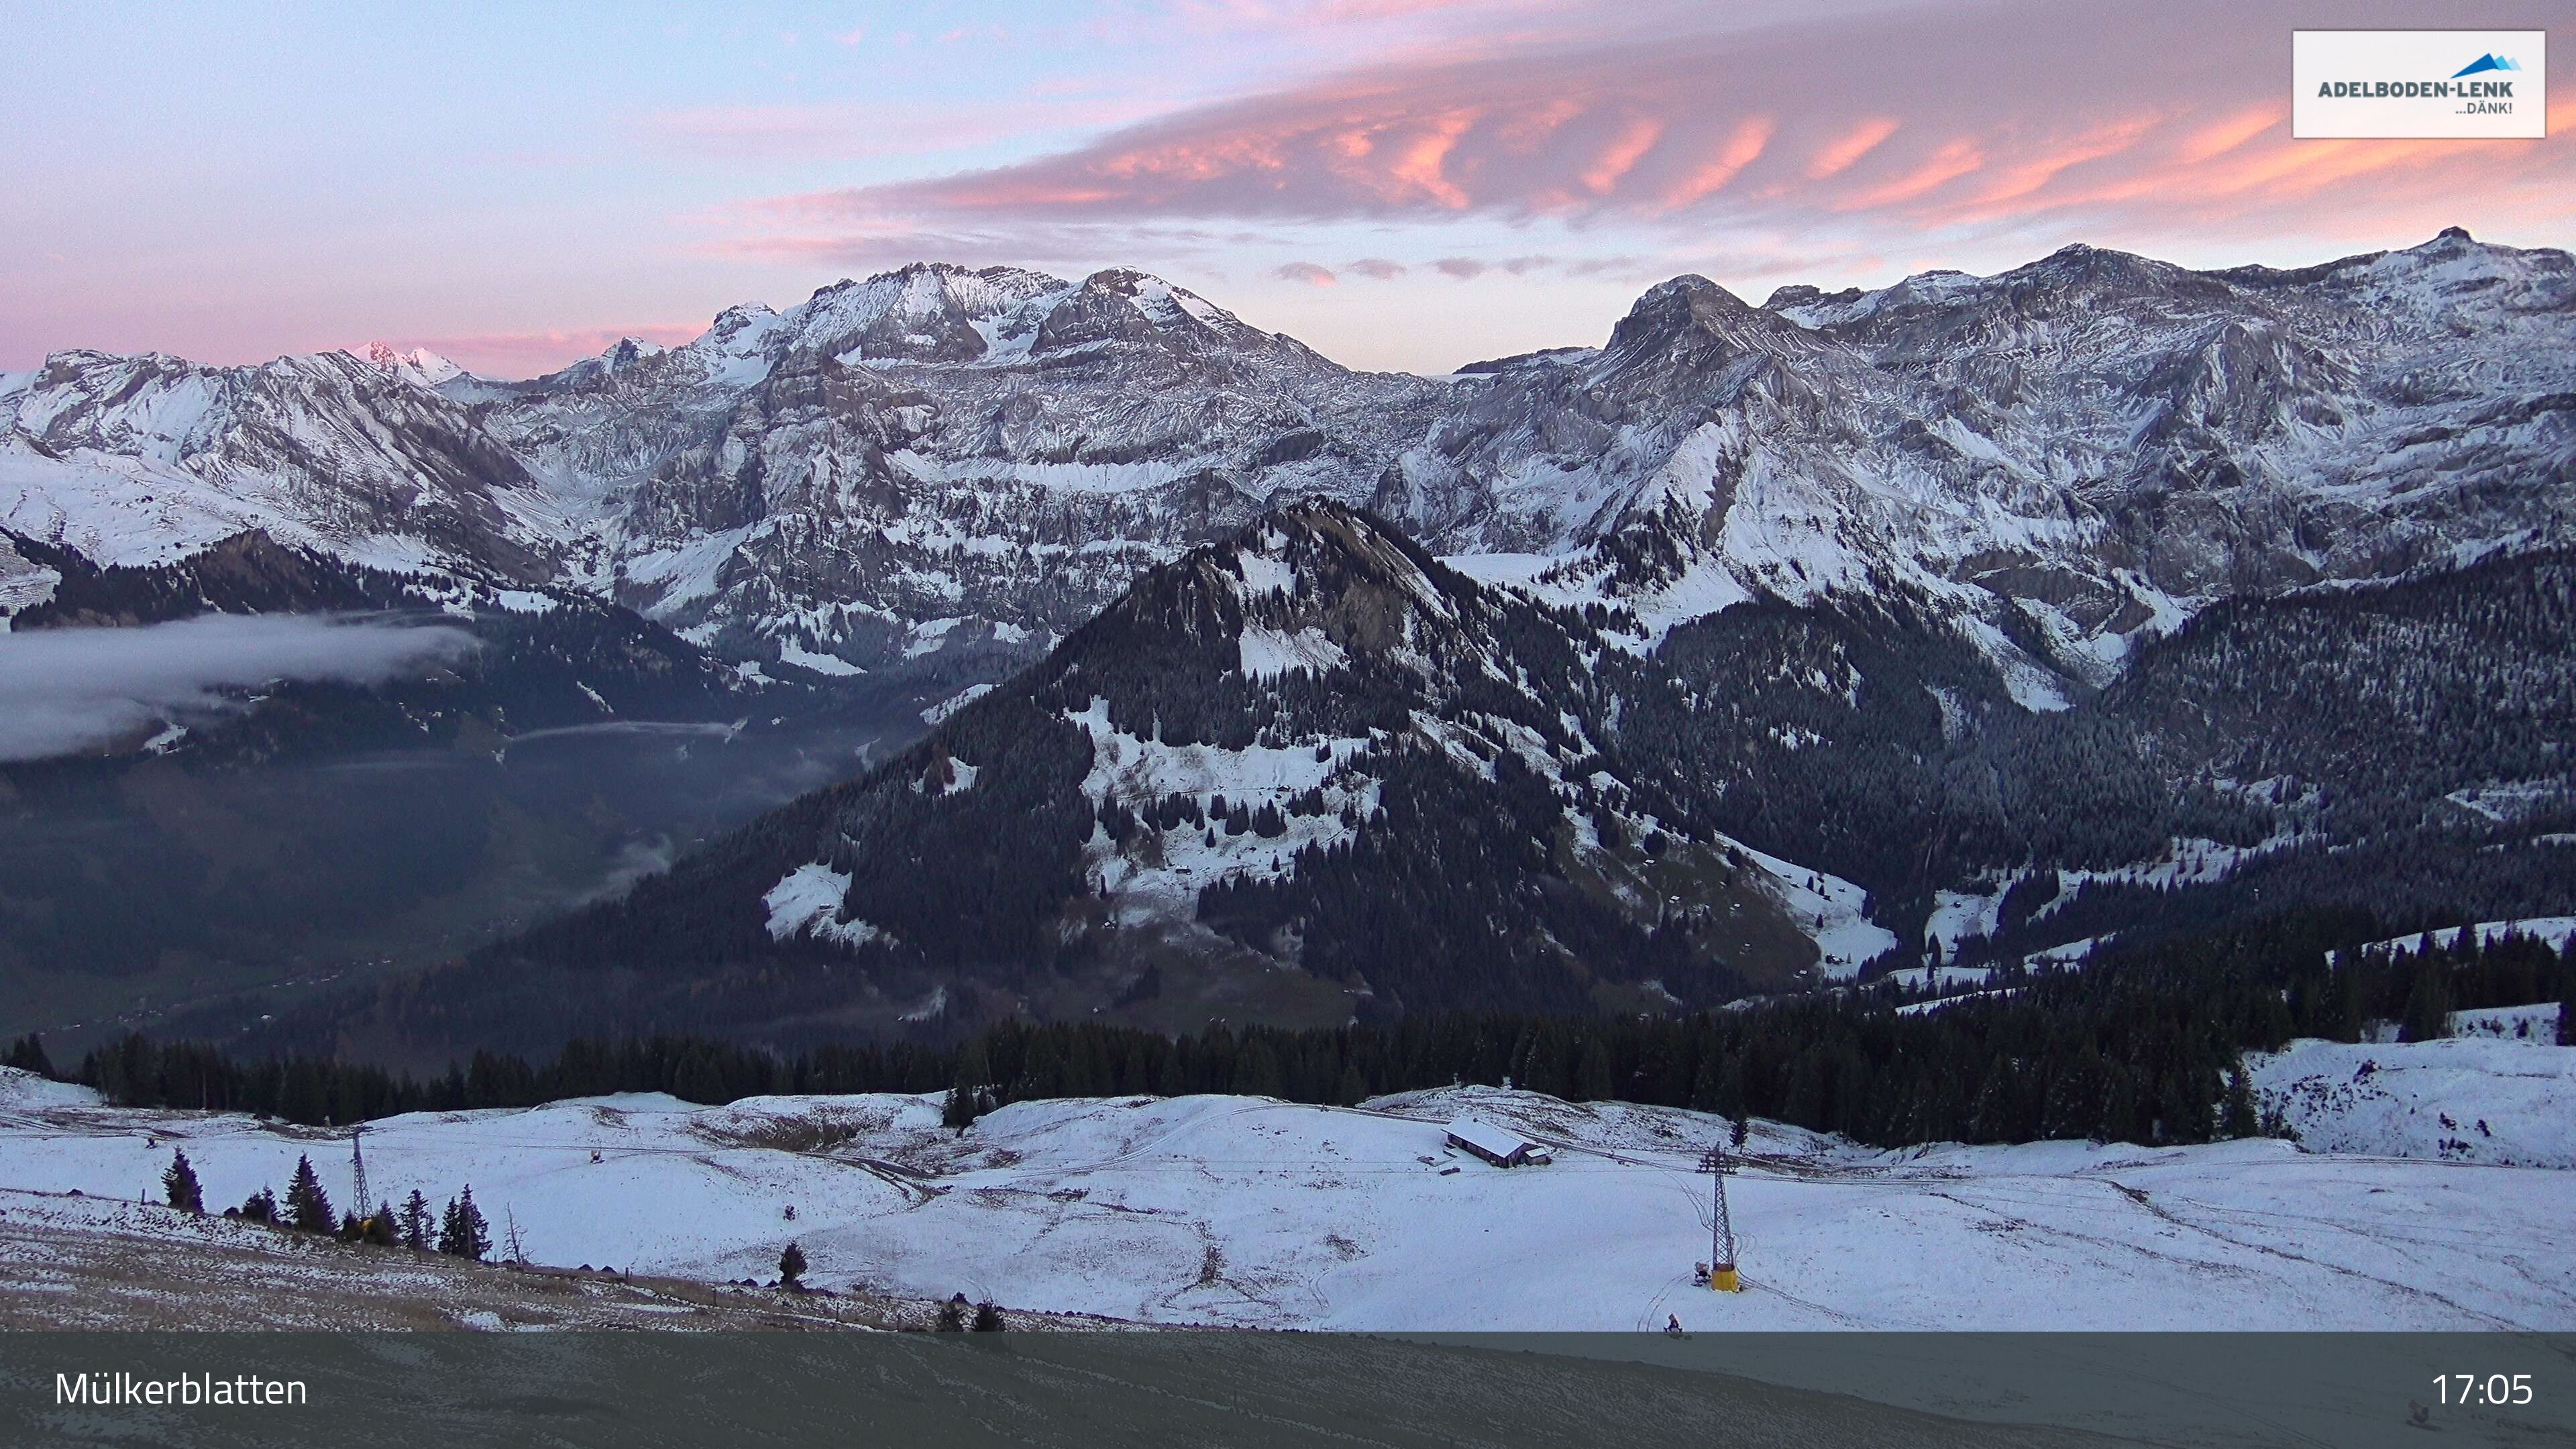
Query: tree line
point(2140, 1045)
point(462, 1231)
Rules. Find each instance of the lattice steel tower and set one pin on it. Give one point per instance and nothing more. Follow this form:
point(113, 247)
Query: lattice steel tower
point(1721, 1236)
point(359, 1207)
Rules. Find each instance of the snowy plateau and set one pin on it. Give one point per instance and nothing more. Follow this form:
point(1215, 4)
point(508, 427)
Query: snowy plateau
point(1252, 1212)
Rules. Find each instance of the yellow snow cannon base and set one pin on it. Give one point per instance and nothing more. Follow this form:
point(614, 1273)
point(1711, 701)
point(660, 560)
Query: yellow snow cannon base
point(1723, 1280)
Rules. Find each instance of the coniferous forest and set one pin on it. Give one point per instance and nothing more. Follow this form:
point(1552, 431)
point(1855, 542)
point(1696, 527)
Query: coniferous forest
point(2141, 1046)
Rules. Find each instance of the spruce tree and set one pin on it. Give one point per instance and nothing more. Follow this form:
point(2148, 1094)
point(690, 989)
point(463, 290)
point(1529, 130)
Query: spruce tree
point(27, 1054)
point(462, 1233)
point(1592, 1072)
point(2241, 1119)
point(2428, 1004)
point(968, 1089)
point(308, 1207)
point(260, 1207)
point(179, 1184)
point(952, 1315)
point(415, 1222)
point(2567, 994)
point(988, 1319)
point(791, 1269)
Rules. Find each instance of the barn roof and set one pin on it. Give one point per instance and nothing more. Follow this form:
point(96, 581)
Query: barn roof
point(1487, 1137)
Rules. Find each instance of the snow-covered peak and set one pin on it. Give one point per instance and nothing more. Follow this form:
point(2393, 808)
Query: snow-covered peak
point(1682, 317)
point(1163, 303)
point(418, 366)
point(926, 312)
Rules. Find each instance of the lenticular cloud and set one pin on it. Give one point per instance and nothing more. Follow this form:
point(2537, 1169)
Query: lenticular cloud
point(63, 690)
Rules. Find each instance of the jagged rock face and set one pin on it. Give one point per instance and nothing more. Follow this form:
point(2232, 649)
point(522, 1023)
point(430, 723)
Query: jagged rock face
point(2066, 458)
point(141, 459)
point(2071, 452)
point(941, 456)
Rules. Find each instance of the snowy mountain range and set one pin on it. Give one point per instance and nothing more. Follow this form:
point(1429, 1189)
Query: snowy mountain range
point(2062, 460)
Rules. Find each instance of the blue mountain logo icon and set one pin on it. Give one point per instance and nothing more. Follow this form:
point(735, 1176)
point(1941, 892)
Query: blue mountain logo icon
point(2487, 62)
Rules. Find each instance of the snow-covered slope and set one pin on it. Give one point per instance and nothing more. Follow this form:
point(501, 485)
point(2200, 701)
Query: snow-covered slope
point(145, 460)
point(2499, 1092)
point(1249, 1211)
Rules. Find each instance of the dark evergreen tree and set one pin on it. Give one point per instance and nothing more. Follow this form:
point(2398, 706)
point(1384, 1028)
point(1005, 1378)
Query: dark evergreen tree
point(27, 1054)
point(988, 1319)
point(2428, 1003)
point(2240, 1119)
point(952, 1315)
point(415, 1223)
point(260, 1207)
point(1592, 1076)
point(791, 1268)
point(308, 1207)
point(179, 1185)
point(2567, 994)
point(1256, 1072)
point(966, 1091)
point(462, 1232)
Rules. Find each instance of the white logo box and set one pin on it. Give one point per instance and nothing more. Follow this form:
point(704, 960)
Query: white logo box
point(2465, 84)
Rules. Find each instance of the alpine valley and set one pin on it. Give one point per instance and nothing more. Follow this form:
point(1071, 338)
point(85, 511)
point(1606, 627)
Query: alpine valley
point(1143, 666)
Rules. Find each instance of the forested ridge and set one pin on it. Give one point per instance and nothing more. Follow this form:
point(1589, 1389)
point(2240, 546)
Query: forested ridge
point(1524, 814)
point(2140, 1045)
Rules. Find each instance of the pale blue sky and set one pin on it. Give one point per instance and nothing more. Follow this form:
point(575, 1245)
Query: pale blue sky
point(1403, 183)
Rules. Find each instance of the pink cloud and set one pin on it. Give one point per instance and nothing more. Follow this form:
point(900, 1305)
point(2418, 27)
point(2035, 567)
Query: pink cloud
point(1378, 269)
point(1842, 151)
point(1623, 153)
point(1993, 118)
point(1740, 149)
point(1306, 272)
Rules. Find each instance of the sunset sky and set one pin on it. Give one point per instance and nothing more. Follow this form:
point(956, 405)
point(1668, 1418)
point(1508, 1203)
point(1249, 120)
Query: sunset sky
point(1402, 183)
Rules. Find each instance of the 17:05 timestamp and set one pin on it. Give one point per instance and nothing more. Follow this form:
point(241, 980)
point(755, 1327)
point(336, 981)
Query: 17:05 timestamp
point(2491, 1389)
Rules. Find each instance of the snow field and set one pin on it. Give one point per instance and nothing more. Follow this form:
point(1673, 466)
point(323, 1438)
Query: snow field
point(1252, 1212)
point(2484, 1096)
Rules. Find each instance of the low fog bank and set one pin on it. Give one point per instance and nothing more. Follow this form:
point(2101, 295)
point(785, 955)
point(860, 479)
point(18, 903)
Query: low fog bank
point(65, 690)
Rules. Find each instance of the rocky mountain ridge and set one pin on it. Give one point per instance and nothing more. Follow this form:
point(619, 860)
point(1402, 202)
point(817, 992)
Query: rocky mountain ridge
point(2062, 460)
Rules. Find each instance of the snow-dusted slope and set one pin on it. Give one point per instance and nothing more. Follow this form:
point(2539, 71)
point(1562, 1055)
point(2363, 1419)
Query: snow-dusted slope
point(2499, 1092)
point(1308, 773)
point(143, 460)
point(1249, 1211)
